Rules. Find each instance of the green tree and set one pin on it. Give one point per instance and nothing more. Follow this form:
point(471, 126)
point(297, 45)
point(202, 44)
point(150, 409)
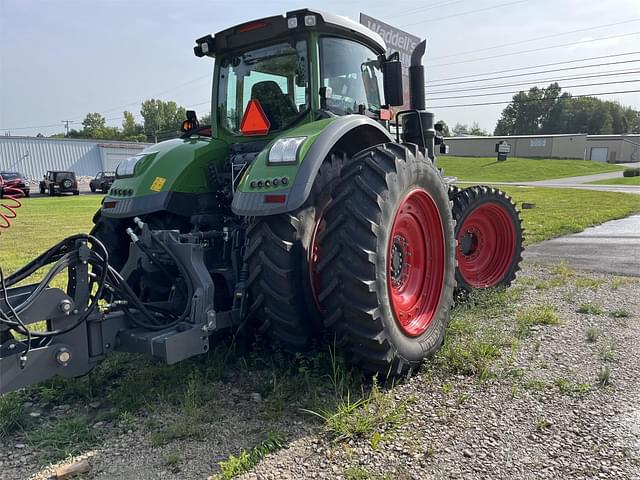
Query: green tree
point(132, 131)
point(476, 130)
point(93, 124)
point(162, 120)
point(445, 128)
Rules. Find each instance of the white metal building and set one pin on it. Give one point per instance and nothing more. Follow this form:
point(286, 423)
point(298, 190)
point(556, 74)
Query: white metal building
point(599, 148)
point(33, 156)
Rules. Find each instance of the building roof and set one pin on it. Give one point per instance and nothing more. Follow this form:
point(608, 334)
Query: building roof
point(99, 142)
point(476, 137)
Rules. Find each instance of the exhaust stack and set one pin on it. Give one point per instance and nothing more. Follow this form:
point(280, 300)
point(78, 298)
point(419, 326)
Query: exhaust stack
point(416, 78)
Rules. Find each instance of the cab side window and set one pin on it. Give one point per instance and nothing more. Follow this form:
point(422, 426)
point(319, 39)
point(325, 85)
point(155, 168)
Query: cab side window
point(353, 74)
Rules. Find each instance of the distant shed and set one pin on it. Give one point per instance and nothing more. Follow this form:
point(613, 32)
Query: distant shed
point(32, 156)
point(613, 148)
point(543, 146)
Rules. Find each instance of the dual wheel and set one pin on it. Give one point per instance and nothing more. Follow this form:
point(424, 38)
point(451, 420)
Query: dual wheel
point(369, 257)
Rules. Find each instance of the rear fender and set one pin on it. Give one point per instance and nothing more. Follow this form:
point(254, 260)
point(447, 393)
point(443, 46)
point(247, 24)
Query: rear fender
point(349, 134)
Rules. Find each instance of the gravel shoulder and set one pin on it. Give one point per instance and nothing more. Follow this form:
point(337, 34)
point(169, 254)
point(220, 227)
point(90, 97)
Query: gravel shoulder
point(560, 401)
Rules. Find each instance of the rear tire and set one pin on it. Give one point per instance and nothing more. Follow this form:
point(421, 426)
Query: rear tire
point(281, 262)
point(387, 274)
point(489, 236)
point(92, 188)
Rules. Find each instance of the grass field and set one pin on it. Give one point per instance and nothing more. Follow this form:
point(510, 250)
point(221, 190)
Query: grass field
point(618, 181)
point(561, 211)
point(42, 222)
point(483, 169)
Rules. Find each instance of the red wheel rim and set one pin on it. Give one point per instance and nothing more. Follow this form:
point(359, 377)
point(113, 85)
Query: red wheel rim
point(486, 245)
point(314, 256)
point(416, 263)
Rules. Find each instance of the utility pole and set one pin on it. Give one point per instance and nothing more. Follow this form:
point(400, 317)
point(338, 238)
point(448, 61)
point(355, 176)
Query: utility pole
point(66, 126)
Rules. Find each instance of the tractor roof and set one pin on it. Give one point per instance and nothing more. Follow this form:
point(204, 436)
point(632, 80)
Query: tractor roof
point(257, 31)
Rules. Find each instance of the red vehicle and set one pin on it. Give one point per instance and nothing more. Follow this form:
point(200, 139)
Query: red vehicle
point(18, 181)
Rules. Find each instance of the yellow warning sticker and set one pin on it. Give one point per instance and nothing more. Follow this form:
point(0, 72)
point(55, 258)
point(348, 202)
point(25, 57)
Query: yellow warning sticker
point(157, 184)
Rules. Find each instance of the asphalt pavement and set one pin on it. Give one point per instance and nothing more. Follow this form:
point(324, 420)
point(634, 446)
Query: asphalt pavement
point(613, 247)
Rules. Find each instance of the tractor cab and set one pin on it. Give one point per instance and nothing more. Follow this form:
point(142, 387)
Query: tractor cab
point(279, 72)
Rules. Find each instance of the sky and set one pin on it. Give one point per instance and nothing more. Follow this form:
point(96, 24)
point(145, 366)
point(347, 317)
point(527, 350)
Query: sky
point(60, 59)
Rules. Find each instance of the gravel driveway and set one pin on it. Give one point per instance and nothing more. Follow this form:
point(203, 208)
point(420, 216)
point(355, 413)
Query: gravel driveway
point(562, 402)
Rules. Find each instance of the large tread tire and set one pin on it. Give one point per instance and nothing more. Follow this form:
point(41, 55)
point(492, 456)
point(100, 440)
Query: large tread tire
point(355, 269)
point(283, 300)
point(489, 214)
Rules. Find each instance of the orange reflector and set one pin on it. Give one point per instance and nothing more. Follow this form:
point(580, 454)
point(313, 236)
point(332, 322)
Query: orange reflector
point(385, 114)
point(254, 121)
point(275, 198)
point(109, 205)
point(252, 26)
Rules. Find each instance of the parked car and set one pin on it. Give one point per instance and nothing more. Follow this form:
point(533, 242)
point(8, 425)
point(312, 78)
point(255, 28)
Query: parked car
point(19, 180)
point(102, 181)
point(56, 183)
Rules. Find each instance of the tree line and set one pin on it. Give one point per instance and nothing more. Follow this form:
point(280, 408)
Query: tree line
point(549, 110)
point(160, 121)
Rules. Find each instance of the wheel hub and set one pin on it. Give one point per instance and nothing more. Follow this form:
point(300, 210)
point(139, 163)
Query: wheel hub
point(470, 243)
point(399, 261)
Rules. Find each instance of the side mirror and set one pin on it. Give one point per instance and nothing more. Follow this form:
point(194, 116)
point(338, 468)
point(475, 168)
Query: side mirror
point(191, 123)
point(392, 75)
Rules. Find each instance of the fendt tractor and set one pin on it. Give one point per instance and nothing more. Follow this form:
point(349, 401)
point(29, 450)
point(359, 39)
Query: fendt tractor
point(308, 209)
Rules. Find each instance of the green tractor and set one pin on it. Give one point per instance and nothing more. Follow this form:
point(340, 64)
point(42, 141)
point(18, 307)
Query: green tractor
point(300, 212)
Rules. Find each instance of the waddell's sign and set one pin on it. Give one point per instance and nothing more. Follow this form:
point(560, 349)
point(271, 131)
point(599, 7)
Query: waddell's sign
point(397, 41)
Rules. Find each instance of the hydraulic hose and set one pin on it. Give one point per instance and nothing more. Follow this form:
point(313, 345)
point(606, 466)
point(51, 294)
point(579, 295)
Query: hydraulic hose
point(9, 191)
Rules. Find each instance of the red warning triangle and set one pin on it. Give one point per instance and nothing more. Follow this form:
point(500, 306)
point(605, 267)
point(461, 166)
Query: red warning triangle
point(254, 121)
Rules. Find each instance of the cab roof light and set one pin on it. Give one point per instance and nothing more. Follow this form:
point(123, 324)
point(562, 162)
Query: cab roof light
point(252, 26)
point(310, 20)
point(292, 22)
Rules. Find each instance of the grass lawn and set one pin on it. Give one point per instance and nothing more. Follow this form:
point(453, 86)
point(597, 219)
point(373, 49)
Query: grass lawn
point(487, 169)
point(560, 211)
point(41, 223)
point(619, 181)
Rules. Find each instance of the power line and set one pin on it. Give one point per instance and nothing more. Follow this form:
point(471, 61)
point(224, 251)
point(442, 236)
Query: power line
point(423, 8)
point(532, 100)
point(619, 62)
point(534, 82)
point(438, 65)
point(512, 92)
point(535, 39)
point(463, 13)
point(208, 75)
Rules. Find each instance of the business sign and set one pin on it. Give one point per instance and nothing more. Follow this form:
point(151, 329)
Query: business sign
point(503, 149)
point(397, 41)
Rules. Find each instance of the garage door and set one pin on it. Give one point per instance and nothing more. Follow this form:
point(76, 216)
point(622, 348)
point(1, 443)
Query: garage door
point(599, 154)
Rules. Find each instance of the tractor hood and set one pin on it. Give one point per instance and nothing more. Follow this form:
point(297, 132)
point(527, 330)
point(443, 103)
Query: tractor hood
point(164, 176)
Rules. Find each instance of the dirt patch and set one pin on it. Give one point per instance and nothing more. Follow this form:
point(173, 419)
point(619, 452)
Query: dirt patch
point(558, 398)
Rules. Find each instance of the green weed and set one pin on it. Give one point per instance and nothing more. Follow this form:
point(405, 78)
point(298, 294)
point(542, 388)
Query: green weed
point(536, 315)
point(592, 334)
point(246, 460)
point(62, 438)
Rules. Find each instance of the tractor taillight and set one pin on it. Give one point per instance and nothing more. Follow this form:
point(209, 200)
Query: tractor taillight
point(254, 121)
point(275, 198)
point(107, 205)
